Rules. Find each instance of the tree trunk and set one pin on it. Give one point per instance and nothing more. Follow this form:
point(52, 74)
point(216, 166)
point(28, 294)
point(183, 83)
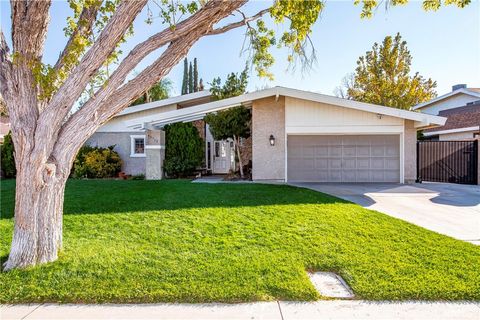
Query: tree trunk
point(46, 139)
point(37, 235)
point(237, 147)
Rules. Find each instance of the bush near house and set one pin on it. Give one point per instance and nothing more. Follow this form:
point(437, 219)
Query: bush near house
point(184, 150)
point(96, 162)
point(7, 157)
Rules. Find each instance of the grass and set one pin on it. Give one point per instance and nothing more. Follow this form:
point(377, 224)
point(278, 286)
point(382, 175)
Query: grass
point(148, 241)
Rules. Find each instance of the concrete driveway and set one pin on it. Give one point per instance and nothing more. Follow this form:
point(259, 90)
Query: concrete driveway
point(449, 209)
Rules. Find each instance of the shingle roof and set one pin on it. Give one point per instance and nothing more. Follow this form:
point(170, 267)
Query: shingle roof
point(461, 117)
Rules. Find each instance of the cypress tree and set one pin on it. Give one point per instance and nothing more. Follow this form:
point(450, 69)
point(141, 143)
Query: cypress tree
point(185, 77)
point(195, 75)
point(190, 79)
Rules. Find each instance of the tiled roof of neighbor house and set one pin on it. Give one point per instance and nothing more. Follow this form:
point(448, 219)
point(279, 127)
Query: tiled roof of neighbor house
point(461, 117)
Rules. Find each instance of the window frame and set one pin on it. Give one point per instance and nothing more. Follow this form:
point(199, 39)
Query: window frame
point(132, 146)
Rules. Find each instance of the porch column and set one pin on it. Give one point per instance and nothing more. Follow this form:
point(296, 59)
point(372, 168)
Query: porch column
point(410, 152)
point(155, 154)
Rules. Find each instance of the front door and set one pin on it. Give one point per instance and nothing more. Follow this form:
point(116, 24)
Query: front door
point(222, 153)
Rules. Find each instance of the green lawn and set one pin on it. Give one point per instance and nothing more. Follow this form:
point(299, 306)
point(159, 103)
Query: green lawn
point(149, 241)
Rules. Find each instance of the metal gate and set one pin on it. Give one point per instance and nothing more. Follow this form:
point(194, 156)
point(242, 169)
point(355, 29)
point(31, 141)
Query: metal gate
point(447, 161)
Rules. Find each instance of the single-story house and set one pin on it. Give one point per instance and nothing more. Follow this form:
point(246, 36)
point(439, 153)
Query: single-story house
point(462, 108)
point(296, 136)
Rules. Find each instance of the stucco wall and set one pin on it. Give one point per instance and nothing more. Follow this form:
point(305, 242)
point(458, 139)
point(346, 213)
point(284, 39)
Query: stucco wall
point(121, 140)
point(268, 118)
point(155, 154)
point(154, 163)
point(410, 152)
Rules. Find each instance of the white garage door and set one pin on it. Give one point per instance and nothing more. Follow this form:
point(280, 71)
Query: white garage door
point(362, 158)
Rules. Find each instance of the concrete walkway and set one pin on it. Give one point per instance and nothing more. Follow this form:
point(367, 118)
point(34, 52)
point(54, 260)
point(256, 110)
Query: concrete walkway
point(335, 309)
point(217, 179)
point(449, 209)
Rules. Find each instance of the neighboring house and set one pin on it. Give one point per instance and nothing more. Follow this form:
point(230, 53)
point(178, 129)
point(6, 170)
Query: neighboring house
point(296, 136)
point(463, 123)
point(461, 107)
point(4, 127)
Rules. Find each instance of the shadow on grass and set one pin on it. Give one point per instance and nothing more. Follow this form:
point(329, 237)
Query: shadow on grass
point(119, 196)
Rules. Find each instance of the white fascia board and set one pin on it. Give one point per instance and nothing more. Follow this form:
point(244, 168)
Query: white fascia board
point(165, 102)
point(388, 111)
point(445, 96)
point(343, 130)
point(434, 133)
point(246, 99)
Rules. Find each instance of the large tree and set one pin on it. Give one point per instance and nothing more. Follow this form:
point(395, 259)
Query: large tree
point(383, 77)
point(40, 97)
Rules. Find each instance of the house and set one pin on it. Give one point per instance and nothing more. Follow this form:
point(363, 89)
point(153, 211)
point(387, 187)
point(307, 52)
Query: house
point(462, 108)
point(296, 136)
point(463, 123)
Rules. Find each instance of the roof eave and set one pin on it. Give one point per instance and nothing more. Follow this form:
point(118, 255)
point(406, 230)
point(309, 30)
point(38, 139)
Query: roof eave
point(177, 115)
point(445, 96)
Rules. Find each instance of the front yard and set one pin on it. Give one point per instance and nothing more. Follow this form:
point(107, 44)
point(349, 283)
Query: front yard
point(147, 241)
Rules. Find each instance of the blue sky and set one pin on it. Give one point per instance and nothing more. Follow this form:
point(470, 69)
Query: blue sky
point(445, 45)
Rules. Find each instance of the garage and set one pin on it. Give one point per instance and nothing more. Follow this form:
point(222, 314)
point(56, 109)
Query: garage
point(343, 158)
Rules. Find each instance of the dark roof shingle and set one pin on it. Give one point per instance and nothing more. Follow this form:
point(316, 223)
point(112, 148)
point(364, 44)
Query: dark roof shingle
point(461, 117)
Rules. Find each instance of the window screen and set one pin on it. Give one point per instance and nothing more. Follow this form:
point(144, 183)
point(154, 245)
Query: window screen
point(139, 145)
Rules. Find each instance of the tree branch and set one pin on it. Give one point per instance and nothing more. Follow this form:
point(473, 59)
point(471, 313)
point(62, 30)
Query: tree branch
point(4, 52)
point(140, 51)
point(29, 27)
point(103, 106)
point(238, 24)
point(52, 116)
point(92, 61)
point(84, 28)
point(5, 67)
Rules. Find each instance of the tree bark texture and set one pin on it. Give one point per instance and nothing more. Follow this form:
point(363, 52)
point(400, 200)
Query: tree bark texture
point(237, 148)
point(46, 138)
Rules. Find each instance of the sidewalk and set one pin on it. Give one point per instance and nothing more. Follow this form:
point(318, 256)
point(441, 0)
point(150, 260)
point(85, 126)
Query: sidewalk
point(334, 309)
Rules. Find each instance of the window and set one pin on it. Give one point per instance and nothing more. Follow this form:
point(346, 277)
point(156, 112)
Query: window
point(220, 151)
point(137, 146)
point(217, 149)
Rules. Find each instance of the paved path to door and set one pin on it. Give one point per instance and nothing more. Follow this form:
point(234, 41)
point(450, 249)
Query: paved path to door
point(450, 209)
point(336, 309)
